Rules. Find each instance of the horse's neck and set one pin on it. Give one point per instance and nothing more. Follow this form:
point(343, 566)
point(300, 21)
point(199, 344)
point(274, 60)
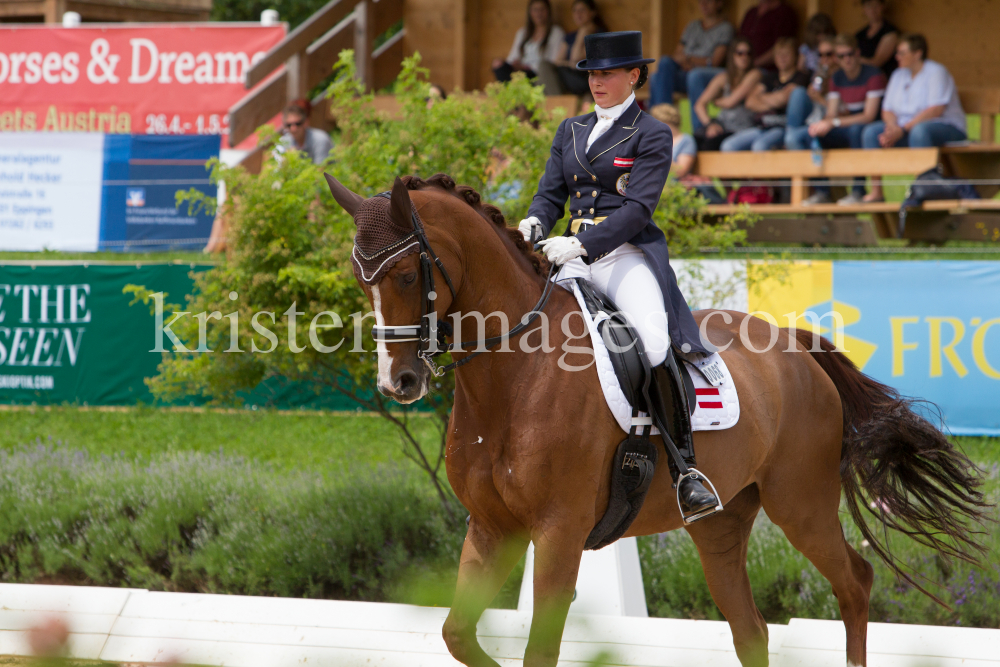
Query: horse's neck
point(495, 281)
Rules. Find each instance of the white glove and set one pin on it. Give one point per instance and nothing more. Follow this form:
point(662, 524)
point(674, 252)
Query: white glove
point(525, 227)
point(562, 249)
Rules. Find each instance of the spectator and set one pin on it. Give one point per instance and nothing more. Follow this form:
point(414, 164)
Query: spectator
point(769, 100)
point(764, 24)
point(561, 75)
point(699, 57)
point(685, 151)
point(877, 40)
point(435, 94)
point(298, 135)
point(819, 84)
point(729, 90)
point(921, 107)
point(538, 40)
point(819, 26)
point(855, 95)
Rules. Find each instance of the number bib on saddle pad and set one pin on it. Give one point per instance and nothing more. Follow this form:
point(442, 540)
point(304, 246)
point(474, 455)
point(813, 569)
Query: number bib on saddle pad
point(718, 403)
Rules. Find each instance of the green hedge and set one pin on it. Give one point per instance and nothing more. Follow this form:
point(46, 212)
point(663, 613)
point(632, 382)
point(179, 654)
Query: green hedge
point(211, 523)
point(196, 522)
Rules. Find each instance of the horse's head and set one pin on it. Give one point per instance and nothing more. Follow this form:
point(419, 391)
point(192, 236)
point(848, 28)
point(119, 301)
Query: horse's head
point(386, 260)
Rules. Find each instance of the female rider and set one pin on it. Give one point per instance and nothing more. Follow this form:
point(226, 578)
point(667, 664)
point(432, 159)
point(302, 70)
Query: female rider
point(612, 165)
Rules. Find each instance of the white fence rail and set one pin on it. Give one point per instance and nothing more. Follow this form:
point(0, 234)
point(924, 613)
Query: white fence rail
point(136, 626)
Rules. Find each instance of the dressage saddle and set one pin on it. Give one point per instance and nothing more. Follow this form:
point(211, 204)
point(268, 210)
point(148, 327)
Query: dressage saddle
point(667, 395)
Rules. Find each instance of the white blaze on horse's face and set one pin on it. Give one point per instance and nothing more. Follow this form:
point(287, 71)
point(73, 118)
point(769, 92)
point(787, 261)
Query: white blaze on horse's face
point(404, 381)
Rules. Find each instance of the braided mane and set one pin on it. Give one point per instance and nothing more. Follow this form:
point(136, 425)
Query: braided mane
point(488, 212)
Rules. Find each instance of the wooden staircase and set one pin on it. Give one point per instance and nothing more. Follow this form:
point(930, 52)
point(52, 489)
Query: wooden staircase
point(305, 57)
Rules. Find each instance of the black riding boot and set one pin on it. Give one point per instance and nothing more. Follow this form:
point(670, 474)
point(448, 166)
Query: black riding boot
point(695, 498)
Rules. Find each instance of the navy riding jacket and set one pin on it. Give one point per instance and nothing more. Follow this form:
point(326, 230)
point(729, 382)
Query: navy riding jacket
point(621, 177)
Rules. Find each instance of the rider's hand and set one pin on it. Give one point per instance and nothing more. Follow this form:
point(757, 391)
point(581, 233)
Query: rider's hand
point(562, 249)
point(525, 227)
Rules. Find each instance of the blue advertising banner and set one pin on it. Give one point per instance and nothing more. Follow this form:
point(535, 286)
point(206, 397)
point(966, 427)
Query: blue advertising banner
point(935, 328)
point(142, 174)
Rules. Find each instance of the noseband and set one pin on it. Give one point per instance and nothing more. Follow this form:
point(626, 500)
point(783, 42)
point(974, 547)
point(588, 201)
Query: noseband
point(431, 334)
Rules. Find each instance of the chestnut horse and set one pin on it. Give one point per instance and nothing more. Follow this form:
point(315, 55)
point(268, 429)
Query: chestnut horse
point(530, 444)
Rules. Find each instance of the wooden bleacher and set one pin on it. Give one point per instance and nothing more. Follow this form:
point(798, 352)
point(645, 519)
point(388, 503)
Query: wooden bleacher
point(935, 221)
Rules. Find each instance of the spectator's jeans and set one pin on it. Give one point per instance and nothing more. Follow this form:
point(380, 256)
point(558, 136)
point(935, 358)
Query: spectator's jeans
point(798, 139)
point(668, 79)
point(923, 135)
point(697, 81)
point(800, 106)
point(756, 139)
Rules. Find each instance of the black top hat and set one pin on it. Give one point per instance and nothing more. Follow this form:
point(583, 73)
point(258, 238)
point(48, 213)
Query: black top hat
point(613, 50)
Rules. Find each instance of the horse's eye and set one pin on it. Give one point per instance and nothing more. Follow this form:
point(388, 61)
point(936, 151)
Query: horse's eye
point(409, 278)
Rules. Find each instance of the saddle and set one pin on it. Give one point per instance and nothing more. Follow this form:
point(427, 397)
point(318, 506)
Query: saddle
point(636, 457)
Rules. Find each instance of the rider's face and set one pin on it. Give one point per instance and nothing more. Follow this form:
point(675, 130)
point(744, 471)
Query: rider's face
point(612, 87)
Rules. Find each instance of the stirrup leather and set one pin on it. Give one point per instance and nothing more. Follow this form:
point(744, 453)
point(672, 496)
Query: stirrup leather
point(696, 516)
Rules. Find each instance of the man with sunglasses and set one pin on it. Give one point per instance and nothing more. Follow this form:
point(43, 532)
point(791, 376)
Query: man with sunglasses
point(854, 97)
point(298, 135)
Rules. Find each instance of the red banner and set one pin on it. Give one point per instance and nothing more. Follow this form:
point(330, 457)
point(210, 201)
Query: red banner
point(154, 79)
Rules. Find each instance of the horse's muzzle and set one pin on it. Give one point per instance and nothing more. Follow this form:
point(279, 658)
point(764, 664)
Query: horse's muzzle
point(407, 387)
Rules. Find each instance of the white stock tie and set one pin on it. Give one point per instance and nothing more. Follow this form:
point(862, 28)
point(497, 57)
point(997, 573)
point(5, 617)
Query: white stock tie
point(606, 118)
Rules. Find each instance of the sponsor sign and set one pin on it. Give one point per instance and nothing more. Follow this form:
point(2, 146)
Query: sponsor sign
point(50, 191)
point(129, 78)
point(929, 329)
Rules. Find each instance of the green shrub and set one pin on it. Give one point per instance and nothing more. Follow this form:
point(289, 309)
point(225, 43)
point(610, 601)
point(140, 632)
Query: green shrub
point(210, 523)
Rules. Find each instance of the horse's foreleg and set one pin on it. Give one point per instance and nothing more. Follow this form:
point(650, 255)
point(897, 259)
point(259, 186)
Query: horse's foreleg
point(488, 556)
point(557, 563)
point(722, 544)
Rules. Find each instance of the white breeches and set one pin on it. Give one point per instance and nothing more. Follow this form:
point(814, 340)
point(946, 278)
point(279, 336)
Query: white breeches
point(625, 278)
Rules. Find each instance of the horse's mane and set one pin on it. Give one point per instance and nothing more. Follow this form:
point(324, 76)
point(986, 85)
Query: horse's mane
point(488, 212)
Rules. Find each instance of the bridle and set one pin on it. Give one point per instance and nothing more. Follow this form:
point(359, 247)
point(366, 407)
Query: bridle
point(431, 334)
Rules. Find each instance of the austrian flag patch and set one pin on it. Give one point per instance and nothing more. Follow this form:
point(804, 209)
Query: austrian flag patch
point(624, 162)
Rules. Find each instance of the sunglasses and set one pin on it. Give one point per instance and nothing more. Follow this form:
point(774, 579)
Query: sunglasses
point(741, 53)
point(825, 54)
point(845, 56)
point(289, 125)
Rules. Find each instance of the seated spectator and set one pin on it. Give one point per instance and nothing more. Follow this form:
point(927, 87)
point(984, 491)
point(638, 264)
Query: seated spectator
point(561, 76)
point(298, 135)
point(729, 91)
point(855, 95)
point(819, 84)
point(685, 151)
point(764, 24)
point(921, 106)
point(538, 40)
point(699, 56)
point(877, 40)
point(819, 26)
point(769, 100)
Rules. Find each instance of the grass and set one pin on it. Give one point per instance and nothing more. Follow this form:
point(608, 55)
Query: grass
point(314, 442)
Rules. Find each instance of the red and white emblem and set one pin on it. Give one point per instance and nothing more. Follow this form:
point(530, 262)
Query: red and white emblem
point(624, 162)
point(622, 183)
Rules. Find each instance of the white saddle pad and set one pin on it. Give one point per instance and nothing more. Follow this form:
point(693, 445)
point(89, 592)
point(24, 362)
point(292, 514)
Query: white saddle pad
point(718, 406)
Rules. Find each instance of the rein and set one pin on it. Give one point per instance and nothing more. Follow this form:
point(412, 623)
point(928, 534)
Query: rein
point(431, 334)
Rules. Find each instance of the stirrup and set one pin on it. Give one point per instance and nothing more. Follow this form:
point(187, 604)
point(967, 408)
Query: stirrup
point(697, 516)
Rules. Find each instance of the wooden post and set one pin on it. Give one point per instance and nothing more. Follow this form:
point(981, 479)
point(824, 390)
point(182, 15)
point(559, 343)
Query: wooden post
point(466, 57)
point(364, 25)
point(295, 82)
point(663, 29)
point(798, 189)
point(54, 10)
point(987, 128)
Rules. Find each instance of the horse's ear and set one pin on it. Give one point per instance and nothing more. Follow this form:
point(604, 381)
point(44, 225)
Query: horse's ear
point(347, 199)
point(400, 211)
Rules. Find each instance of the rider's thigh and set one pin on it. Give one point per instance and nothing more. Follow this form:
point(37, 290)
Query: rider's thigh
point(575, 268)
point(624, 276)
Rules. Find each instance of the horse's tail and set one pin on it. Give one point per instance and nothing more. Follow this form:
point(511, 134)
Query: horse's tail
point(898, 467)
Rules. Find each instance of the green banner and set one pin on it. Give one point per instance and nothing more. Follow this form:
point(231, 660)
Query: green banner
point(68, 334)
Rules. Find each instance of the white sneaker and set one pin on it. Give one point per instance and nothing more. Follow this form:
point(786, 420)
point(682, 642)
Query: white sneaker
point(851, 200)
point(816, 198)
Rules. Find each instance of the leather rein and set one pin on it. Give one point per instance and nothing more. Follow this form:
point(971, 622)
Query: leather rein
point(431, 334)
